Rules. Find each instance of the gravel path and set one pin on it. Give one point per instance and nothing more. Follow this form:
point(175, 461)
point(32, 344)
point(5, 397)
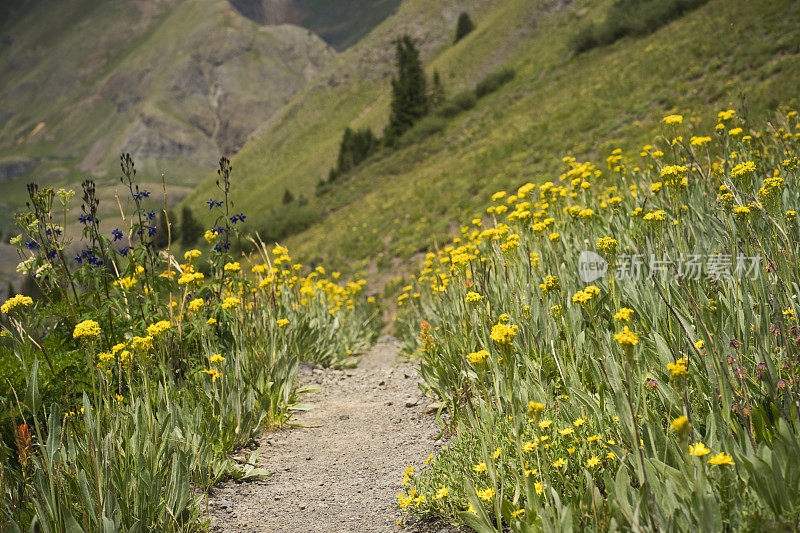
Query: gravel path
point(343, 472)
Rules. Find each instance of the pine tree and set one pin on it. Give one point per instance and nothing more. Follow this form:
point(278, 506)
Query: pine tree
point(192, 229)
point(409, 95)
point(288, 197)
point(438, 95)
point(162, 232)
point(463, 26)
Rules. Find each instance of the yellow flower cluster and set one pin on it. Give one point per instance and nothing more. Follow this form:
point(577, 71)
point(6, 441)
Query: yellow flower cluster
point(230, 302)
point(16, 301)
point(626, 337)
point(551, 284)
point(607, 245)
point(477, 357)
point(503, 334)
point(623, 314)
point(473, 297)
point(584, 296)
point(678, 368)
point(88, 329)
point(158, 328)
point(126, 282)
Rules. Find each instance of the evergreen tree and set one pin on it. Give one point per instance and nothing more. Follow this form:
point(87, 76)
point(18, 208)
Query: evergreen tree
point(288, 197)
point(192, 229)
point(438, 95)
point(31, 288)
point(409, 96)
point(463, 26)
point(355, 147)
point(162, 232)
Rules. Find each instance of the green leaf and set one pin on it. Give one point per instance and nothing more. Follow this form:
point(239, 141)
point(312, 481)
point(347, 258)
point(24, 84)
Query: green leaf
point(33, 397)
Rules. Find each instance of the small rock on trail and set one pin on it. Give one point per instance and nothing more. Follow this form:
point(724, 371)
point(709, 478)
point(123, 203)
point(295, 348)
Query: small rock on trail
point(343, 472)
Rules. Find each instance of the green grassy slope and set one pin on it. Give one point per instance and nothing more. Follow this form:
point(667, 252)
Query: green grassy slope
point(296, 148)
point(727, 53)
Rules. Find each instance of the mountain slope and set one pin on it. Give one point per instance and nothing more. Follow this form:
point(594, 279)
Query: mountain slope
point(726, 53)
point(176, 83)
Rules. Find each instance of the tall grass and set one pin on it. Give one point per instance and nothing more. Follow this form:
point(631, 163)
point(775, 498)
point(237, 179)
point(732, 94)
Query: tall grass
point(172, 365)
point(659, 400)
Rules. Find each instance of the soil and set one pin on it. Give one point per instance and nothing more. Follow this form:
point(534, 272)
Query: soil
point(343, 471)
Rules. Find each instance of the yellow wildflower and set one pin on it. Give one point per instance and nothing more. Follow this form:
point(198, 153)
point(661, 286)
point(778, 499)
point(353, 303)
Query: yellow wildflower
point(698, 449)
point(477, 357)
point(158, 328)
point(485, 494)
point(626, 337)
point(230, 302)
point(535, 408)
point(213, 373)
point(680, 424)
point(678, 368)
point(623, 314)
point(721, 458)
point(16, 301)
point(87, 329)
point(503, 334)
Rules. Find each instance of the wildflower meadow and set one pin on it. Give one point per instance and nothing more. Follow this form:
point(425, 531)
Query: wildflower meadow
point(137, 372)
point(617, 348)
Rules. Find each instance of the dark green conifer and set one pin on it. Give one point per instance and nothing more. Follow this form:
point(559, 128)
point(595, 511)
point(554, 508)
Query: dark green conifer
point(463, 26)
point(192, 229)
point(409, 94)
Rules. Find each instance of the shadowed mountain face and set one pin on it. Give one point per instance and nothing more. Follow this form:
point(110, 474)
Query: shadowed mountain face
point(341, 23)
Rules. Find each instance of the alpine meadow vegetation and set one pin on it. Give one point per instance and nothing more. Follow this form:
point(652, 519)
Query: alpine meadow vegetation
point(654, 387)
point(611, 341)
point(137, 373)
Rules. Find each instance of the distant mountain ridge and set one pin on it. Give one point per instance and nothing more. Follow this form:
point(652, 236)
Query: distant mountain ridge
point(341, 23)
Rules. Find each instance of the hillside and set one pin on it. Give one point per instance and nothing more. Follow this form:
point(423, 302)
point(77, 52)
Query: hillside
point(176, 83)
point(402, 203)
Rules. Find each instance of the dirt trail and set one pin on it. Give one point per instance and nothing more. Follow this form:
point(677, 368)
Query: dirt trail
point(344, 475)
